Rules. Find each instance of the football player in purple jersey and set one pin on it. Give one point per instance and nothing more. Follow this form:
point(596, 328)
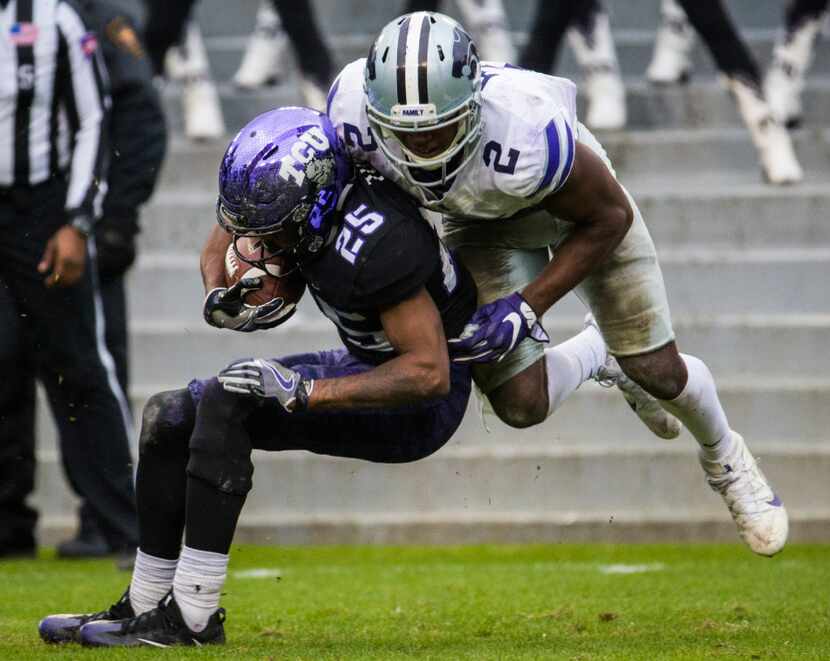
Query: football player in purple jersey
point(379, 271)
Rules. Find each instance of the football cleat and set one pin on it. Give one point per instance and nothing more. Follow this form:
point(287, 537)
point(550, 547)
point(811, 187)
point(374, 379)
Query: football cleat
point(671, 62)
point(187, 59)
point(775, 148)
point(161, 627)
point(487, 20)
point(757, 511)
point(606, 101)
point(312, 93)
point(784, 83)
point(188, 64)
point(65, 628)
point(597, 57)
point(201, 109)
point(265, 49)
point(648, 409)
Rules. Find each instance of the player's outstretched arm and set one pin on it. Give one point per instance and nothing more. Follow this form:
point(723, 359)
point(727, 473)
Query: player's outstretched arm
point(420, 370)
point(212, 259)
point(596, 204)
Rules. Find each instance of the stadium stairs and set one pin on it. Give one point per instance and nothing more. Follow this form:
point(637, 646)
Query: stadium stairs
point(746, 267)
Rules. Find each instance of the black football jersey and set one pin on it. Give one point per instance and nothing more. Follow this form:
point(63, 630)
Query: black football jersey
point(383, 253)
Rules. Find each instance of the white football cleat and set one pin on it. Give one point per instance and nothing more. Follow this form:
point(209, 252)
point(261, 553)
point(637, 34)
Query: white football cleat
point(188, 59)
point(597, 57)
point(313, 95)
point(659, 421)
point(266, 48)
point(778, 160)
point(775, 148)
point(784, 83)
point(606, 101)
point(201, 109)
point(757, 511)
point(672, 62)
point(188, 64)
point(487, 20)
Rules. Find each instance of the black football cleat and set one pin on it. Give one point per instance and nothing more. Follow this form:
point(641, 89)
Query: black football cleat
point(161, 627)
point(65, 628)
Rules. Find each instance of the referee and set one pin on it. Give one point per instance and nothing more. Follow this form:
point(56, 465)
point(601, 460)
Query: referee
point(53, 153)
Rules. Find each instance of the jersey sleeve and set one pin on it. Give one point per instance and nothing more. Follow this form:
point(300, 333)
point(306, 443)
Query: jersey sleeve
point(137, 126)
point(344, 107)
point(552, 145)
point(87, 101)
point(531, 134)
point(400, 263)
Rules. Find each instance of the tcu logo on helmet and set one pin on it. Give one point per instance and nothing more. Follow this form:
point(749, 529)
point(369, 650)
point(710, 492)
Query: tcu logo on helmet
point(309, 143)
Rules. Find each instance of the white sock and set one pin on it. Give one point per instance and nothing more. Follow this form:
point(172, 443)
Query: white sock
point(699, 408)
point(572, 363)
point(199, 578)
point(152, 579)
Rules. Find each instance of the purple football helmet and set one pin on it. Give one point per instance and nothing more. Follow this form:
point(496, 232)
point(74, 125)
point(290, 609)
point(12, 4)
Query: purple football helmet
point(282, 176)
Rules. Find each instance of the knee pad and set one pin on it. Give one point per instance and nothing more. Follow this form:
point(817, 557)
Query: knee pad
point(167, 422)
point(220, 446)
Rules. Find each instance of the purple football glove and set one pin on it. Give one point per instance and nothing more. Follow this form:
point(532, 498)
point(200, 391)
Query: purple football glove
point(495, 330)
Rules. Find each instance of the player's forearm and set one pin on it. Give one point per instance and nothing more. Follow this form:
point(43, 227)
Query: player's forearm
point(402, 380)
point(588, 246)
point(212, 259)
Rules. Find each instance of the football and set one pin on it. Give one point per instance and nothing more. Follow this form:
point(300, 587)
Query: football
point(290, 287)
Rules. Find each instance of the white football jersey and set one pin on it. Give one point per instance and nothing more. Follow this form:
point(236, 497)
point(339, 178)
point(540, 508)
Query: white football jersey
point(526, 152)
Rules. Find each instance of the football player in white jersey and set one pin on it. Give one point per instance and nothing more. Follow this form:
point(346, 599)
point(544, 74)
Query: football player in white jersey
point(499, 152)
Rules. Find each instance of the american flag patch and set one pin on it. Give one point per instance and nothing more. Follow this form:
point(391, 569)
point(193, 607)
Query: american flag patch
point(89, 43)
point(23, 34)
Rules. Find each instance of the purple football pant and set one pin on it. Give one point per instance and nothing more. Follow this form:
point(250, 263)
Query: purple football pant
point(388, 435)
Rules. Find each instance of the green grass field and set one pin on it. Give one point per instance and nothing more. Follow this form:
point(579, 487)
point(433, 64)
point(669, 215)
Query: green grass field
point(494, 602)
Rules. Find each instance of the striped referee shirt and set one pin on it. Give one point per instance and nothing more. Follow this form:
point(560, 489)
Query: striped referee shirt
point(53, 102)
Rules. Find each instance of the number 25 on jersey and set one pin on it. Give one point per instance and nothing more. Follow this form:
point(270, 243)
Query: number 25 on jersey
point(359, 224)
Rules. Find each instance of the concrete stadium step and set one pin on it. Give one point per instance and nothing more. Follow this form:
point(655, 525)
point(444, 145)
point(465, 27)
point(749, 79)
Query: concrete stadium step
point(763, 410)
point(635, 154)
point(471, 528)
point(740, 215)
point(703, 105)
point(678, 211)
point(700, 281)
point(355, 16)
point(744, 345)
point(697, 105)
point(518, 488)
point(687, 153)
point(634, 50)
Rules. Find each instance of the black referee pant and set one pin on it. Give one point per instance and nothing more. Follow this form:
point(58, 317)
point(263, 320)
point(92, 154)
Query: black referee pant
point(64, 329)
point(17, 431)
point(17, 412)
